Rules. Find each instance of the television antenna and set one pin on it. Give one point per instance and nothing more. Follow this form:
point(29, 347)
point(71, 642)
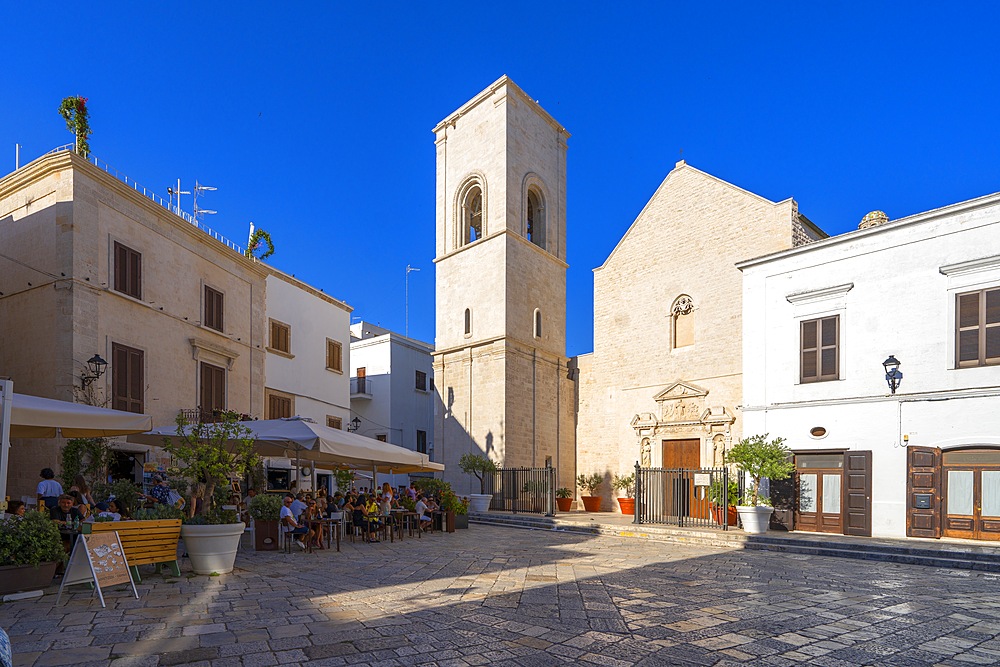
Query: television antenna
point(176, 193)
point(202, 211)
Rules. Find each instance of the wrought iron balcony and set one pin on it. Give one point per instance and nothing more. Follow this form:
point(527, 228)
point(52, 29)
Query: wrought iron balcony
point(361, 387)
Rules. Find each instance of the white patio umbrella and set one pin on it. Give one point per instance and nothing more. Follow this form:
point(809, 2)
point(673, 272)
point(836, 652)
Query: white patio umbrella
point(23, 416)
point(302, 438)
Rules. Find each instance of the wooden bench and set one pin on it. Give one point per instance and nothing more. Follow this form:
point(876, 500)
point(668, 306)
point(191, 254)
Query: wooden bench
point(146, 542)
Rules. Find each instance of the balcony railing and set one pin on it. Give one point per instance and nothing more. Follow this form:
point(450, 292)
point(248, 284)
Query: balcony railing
point(199, 416)
point(361, 387)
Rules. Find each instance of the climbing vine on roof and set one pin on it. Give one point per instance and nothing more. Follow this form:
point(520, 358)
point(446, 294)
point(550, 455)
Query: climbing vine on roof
point(74, 112)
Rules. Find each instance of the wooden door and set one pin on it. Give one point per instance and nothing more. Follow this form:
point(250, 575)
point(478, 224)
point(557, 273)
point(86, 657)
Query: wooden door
point(858, 493)
point(971, 502)
point(361, 374)
point(923, 492)
point(680, 492)
point(820, 506)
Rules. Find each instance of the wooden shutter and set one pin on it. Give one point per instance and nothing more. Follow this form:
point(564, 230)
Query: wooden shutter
point(128, 271)
point(819, 355)
point(127, 378)
point(281, 335)
point(214, 309)
point(334, 355)
point(121, 268)
point(213, 388)
point(335, 422)
point(278, 406)
point(858, 493)
point(923, 481)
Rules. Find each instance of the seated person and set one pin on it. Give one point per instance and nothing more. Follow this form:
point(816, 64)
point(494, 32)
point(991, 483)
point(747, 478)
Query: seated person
point(65, 512)
point(108, 510)
point(290, 524)
point(374, 522)
point(313, 513)
point(299, 504)
point(423, 513)
point(80, 504)
point(16, 508)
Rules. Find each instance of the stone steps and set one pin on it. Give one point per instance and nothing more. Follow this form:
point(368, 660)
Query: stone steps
point(932, 553)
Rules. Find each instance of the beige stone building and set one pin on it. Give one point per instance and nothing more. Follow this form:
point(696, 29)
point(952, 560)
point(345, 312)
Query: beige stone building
point(663, 384)
point(500, 368)
point(90, 265)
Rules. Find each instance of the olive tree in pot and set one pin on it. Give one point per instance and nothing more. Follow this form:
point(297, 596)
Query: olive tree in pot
point(211, 454)
point(265, 510)
point(480, 466)
point(592, 502)
point(759, 458)
point(626, 486)
point(30, 550)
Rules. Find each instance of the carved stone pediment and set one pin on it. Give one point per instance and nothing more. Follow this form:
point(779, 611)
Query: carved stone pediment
point(644, 420)
point(680, 390)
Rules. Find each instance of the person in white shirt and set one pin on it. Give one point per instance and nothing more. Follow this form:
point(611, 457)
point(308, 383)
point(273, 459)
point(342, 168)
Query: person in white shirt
point(422, 512)
point(48, 489)
point(289, 522)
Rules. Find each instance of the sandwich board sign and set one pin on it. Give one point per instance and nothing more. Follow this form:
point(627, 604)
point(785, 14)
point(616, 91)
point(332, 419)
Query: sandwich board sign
point(99, 561)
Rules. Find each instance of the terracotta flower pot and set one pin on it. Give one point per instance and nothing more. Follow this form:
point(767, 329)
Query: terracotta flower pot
point(591, 503)
point(627, 505)
point(727, 514)
point(564, 504)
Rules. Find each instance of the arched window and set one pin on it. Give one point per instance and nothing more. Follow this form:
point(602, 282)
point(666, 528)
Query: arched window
point(535, 226)
point(472, 214)
point(538, 323)
point(468, 322)
point(682, 321)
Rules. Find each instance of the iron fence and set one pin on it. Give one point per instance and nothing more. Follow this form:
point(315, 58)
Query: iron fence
point(695, 498)
point(524, 490)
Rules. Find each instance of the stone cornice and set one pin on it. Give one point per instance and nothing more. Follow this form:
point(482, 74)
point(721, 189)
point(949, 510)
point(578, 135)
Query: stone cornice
point(35, 170)
point(971, 266)
point(811, 296)
point(498, 234)
point(488, 92)
point(199, 345)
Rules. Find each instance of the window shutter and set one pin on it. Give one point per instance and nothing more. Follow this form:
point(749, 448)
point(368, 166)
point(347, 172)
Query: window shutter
point(121, 267)
point(134, 274)
point(809, 350)
point(127, 378)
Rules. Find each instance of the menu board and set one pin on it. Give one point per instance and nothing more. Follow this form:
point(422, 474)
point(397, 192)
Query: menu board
point(99, 560)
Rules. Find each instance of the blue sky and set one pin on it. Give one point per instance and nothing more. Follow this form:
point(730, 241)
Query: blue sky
point(314, 119)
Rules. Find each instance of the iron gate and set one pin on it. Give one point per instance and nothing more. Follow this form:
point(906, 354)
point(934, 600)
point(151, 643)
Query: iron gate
point(696, 498)
point(525, 490)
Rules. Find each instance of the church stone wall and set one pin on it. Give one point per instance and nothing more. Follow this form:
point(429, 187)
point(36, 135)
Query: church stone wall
point(686, 241)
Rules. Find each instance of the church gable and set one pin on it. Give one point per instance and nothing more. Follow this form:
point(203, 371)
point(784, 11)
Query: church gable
point(679, 390)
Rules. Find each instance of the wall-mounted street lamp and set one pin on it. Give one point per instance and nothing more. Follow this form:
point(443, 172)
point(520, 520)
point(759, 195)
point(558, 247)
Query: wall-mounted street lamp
point(354, 425)
point(892, 375)
point(97, 367)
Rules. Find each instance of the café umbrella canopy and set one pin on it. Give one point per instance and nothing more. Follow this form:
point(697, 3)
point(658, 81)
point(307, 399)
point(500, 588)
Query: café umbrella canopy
point(301, 438)
point(23, 416)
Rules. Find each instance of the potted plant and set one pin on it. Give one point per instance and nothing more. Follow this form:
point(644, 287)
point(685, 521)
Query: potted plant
point(211, 454)
point(592, 502)
point(265, 510)
point(456, 508)
point(724, 498)
point(30, 550)
point(564, 499)
point(626, 485)
point(480, 466)
point(759, 458)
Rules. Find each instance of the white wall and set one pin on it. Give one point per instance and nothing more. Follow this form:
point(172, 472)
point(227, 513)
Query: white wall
point(318, 391)
point(894, 288)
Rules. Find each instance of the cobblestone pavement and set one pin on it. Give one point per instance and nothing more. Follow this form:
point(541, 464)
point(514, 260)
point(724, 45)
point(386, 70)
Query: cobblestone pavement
point(505, 597)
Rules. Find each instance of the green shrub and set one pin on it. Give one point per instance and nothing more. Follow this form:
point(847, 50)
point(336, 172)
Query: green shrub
point(266, 507)
point(625, 484)
point(590, 482)
point(30, 540)
point(564, 493)
point(157, 512)
point(124, 491)
point(478, 465)
point(760, 458)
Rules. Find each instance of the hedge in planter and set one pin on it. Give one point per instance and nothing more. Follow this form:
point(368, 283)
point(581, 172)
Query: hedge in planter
point(30, 549)
point(265, 510)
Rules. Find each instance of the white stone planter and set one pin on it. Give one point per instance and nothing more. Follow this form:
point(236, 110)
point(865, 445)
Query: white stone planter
point(212, 549)
point(480, 502)
point(755, 519)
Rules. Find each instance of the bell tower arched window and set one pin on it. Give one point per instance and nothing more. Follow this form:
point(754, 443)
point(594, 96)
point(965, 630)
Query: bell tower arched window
point(468, 322)
point(538, 323)
point(472, 214)
point(535, 219)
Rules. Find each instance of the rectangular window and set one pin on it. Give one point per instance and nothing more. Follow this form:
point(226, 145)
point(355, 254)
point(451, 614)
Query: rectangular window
point(213, 309)
point(422, 442)
point(334, 356)
point(128, 271)
point(127, 384)
point(281, 337)
point(381, 437)
point(334, 422)
point(279, 405)
point(977, 328)
point(421, 381)
point(819, 352)
point(213, 388)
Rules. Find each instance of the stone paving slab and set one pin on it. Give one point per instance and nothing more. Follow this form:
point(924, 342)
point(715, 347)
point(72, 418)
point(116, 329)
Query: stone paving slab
point(500, 596)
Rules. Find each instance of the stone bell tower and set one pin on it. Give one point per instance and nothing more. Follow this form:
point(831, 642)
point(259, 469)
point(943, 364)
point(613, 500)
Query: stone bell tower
point(500, 364)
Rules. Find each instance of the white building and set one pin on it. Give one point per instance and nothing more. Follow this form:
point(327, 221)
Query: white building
point(818, 322)
point(392, 388)
point(308, 348)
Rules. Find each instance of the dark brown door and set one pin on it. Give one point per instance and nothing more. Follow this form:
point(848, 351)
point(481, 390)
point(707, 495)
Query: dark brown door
point(213, 388)
point(923, 492)
point(681, 491)
point(858, 493)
